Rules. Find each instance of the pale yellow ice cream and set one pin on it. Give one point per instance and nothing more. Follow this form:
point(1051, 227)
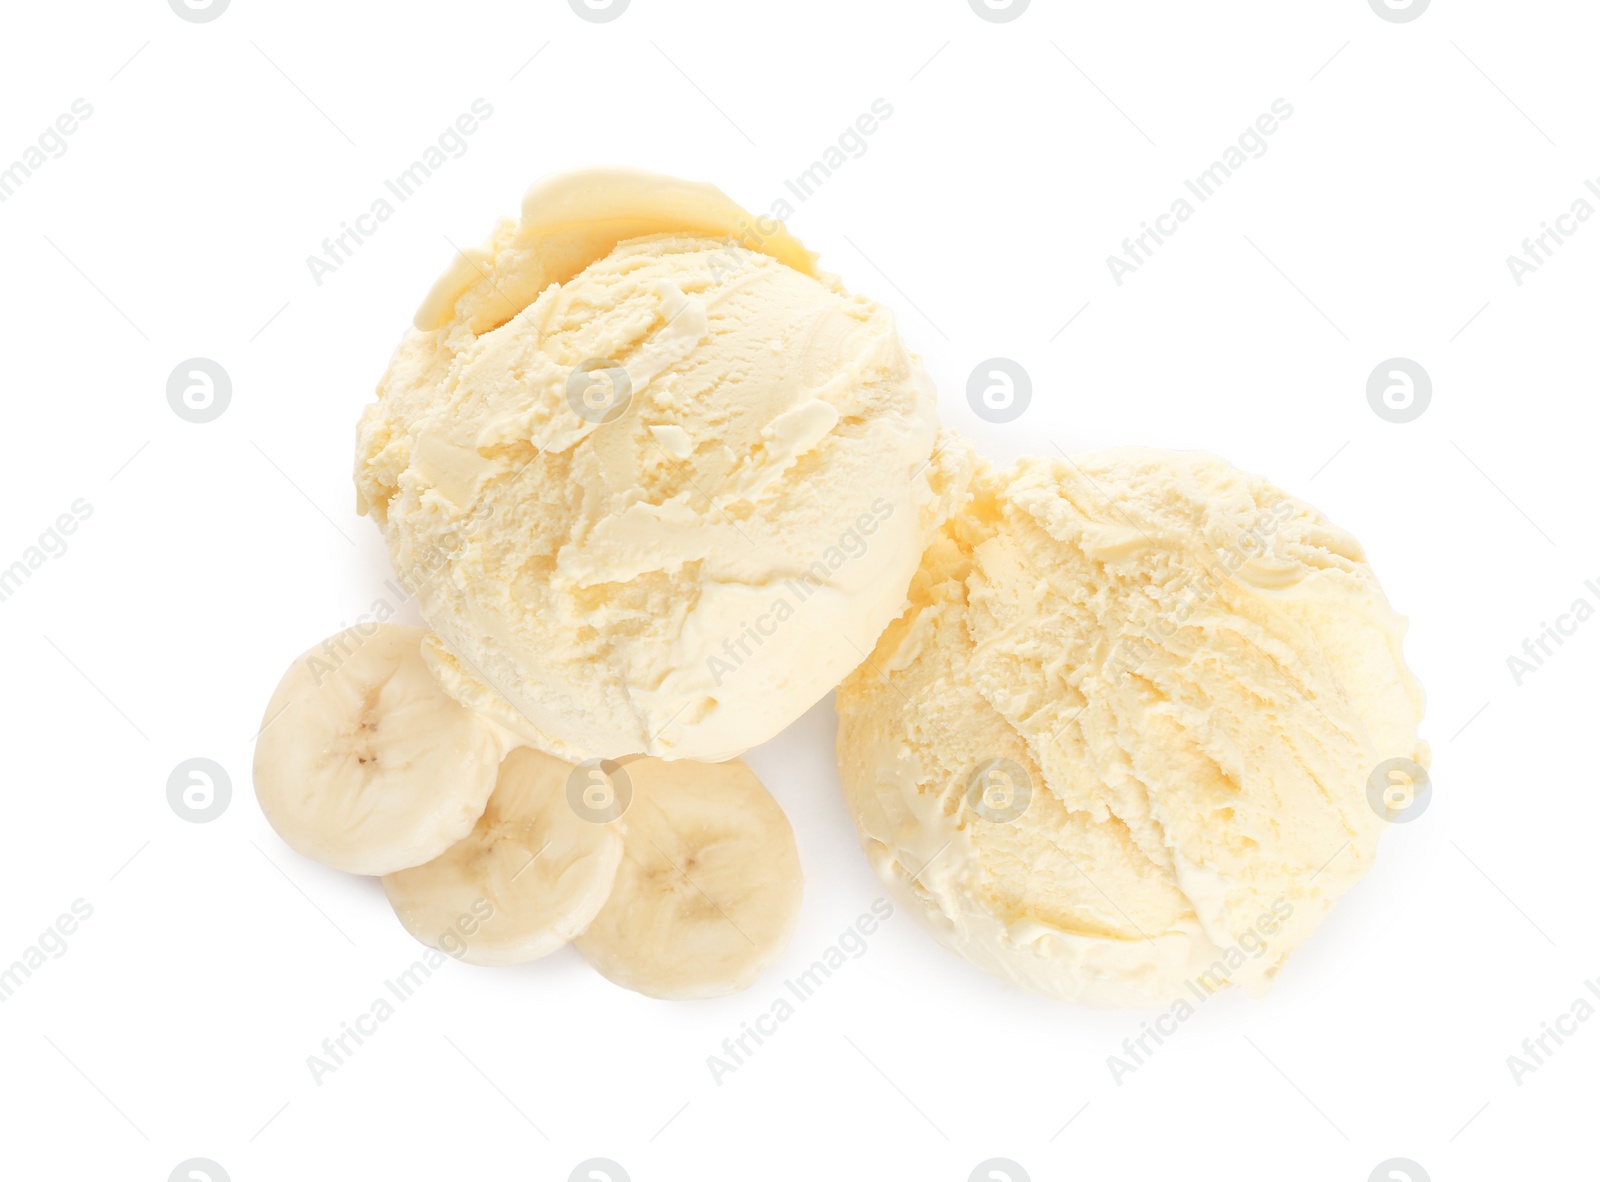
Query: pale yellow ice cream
point(659, 482)
point(1117, 749)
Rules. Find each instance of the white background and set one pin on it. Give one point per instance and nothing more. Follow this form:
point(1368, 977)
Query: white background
point(1018, 156)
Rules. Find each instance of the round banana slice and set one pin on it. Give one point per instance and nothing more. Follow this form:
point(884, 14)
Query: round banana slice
point(528, 878)
point(364, 763)
point(709, 887)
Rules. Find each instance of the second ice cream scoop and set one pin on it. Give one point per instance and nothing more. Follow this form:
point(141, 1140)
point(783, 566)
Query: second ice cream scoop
point(1118, 749)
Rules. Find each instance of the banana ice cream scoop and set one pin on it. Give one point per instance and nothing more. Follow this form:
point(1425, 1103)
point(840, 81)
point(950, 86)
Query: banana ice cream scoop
point(658, 482)
point(1118, 748)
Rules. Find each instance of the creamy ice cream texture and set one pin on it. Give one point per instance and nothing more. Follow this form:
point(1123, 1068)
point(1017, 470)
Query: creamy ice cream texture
point(1117, 748)
point(658, 481)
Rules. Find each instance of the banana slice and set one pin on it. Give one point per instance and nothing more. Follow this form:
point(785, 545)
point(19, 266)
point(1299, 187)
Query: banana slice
point(530, 876)
point(364, 763)
point(710, 882)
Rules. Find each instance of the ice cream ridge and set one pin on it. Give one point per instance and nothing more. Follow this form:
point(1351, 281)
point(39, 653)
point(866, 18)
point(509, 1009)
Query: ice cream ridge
point(658, 480)
point(1117, 749)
